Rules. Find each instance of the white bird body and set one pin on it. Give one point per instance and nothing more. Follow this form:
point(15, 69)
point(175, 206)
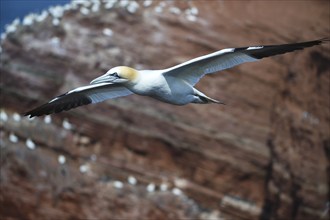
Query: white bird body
point(174, 85)
point(165, 88)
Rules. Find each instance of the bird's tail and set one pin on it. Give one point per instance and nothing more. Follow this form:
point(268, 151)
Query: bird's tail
point(210, 100)
point(204, 99)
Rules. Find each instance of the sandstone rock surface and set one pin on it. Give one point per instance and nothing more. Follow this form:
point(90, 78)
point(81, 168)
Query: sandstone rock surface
point(265, 155)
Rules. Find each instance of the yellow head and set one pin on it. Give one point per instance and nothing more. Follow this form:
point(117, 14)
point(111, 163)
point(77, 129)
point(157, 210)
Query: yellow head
point(119, 74)
point(125, 72)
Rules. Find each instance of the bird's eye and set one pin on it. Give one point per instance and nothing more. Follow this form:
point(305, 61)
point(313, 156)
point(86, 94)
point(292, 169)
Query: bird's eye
point(115, 74)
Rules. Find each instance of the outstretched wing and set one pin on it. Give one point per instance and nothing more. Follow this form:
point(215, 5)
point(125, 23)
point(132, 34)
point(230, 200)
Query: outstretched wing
point(80, 96)
point(194, 69)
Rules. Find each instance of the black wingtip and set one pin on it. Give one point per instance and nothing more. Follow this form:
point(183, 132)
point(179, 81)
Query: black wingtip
point(324, 40)
point(44, 109)
point(319, 41)
point(62, 103)
point(33, 113)
point(29, 114)
point(272, 50)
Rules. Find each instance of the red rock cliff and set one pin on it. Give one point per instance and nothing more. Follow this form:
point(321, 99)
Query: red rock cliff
point(265, 155)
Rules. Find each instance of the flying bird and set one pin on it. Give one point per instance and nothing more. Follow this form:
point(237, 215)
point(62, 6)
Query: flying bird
point(174, 85)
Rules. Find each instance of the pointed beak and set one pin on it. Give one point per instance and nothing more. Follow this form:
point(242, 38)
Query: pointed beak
point(106, 78)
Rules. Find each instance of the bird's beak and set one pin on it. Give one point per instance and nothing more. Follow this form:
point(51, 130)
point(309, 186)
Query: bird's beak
point(106, 78)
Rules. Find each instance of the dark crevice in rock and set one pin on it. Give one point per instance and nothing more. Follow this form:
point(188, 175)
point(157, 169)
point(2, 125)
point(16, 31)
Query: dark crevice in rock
point(326, 147)
point(321, 62)
point(271, 201)
point(297, 201)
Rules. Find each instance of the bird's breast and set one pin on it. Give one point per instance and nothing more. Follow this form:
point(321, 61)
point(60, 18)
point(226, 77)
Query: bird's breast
point(170, 89)
point(149, 85)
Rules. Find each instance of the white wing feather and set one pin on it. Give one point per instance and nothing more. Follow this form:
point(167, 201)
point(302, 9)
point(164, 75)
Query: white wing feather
point(194, 69)
point(102, 91)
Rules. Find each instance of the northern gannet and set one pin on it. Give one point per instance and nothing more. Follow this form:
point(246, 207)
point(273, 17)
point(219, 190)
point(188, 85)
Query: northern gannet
point(173, 85)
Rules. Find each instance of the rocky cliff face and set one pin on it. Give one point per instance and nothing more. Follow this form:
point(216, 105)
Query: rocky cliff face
point(265, 155)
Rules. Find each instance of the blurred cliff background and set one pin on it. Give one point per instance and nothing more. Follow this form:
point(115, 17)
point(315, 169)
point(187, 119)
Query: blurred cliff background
point(265, 155)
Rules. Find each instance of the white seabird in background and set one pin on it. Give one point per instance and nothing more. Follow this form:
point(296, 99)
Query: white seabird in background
point(174, 85)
